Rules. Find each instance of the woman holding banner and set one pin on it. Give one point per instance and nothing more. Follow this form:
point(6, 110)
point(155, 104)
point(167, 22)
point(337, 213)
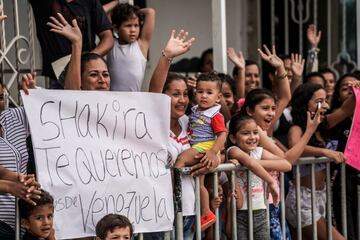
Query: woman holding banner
point(89, 72)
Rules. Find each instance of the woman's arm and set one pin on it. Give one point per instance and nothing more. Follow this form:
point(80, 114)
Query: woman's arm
point(295, 135)
point(239, 61)
point(73, 33)
point(176, 46)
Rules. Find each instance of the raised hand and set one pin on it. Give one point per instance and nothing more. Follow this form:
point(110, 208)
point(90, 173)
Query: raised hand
point(313, 35)
point(2, 17)
point(70, 31)
point(237, 59)
point(178, 45)
point(271, 57)
point(27, 82)
point(313, 121)
point(297, 64)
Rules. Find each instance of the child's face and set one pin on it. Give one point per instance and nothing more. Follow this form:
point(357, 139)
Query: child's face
point(207, 94)
point(318, 97)
point(247, 137)
point(129, 30)
point(263, 113)
point(119, 234)
point(40, 222)
point(228, 95)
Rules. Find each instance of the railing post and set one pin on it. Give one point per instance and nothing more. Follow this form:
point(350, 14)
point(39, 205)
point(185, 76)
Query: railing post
point(328, 202)
point(233, 207)
point(343, 199)
point(282, 205)
point(216, 194)
point(179, 229)
point(249, 206)
point(298, 204)
point(313, 203)
point(197, 207)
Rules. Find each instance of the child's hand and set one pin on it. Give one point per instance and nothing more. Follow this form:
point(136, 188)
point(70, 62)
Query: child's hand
point(297, 64)
point(237, 59)
point(271, 57)
point(313, 36)
point(28, 81)
point(62, 27)
point(210, 159)
point(2, 17)
point(313, 121)
point(234, 161)
point(216, 202)
point(272, 189)
point(178, 45)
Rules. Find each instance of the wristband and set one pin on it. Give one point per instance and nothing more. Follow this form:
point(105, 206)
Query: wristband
point(169, 59)
point(282, 76)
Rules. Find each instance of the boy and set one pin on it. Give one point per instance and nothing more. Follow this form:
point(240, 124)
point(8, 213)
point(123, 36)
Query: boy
point(38, 219)
point(127, 59)
point(207, 135)
point(114, 226)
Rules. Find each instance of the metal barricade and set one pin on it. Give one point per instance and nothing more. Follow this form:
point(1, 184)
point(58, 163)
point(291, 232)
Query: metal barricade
point(302, 161)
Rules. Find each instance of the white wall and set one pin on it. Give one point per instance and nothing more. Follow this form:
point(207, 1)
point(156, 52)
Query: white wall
point(193, 16)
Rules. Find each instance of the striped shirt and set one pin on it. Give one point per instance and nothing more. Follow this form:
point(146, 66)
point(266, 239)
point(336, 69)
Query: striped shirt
point(13, 154)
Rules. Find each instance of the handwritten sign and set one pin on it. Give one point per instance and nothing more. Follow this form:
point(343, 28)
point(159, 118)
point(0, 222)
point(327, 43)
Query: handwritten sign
point(102, 152)
point(352, 152)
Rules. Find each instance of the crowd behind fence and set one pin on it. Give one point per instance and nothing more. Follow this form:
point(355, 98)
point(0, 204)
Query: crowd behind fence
point(229, 167)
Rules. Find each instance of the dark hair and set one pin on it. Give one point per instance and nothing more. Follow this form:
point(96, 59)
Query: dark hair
point(110, 222)
point(225, 78)
point(124, 12)
point(26, 208)
point(335, 101)
point(254, 97)
point(210, 77)
point(314, 74)
point(299, 105)
point(172, 76)
point(236, 121)
point(203, 55)
point(248, 62)
point(328, 70)
point(87, 57)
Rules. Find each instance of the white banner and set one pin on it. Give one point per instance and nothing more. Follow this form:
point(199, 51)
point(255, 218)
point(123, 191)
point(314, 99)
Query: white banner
point(102, 152)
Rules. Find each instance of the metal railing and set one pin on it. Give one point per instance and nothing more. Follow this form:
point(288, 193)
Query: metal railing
point(228, 167)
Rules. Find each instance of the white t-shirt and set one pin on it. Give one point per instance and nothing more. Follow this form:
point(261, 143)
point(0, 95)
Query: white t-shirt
point(178, 144)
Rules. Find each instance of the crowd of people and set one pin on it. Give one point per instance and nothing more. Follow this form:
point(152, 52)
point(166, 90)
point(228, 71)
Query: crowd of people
point(214, 118)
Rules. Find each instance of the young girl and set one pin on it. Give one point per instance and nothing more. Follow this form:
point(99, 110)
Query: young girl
point(305, 99)
point(244, 148)
point(127, 59)
point(340, 134)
